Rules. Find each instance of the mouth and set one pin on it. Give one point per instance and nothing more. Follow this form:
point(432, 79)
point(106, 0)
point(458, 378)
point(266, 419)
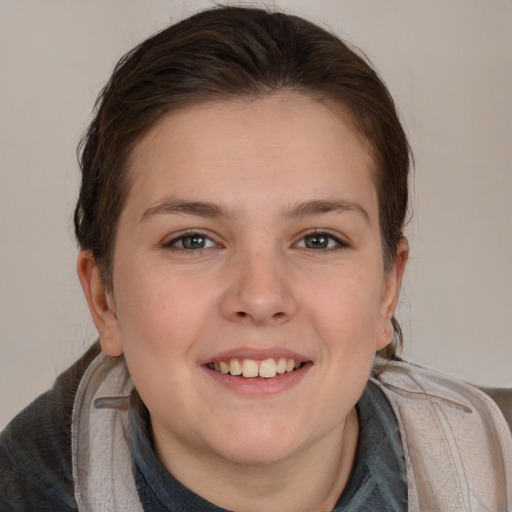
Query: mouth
point(253, 368)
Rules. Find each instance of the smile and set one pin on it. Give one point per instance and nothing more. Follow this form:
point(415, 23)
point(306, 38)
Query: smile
point(251, 368)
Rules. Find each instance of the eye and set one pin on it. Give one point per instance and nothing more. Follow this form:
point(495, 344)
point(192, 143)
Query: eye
point(320, 241)
point(191, 241)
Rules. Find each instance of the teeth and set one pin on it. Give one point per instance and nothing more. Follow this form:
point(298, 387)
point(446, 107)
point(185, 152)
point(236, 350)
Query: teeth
point(235, 368)
point(268, 369)
point(251, 368)
point(281, 365)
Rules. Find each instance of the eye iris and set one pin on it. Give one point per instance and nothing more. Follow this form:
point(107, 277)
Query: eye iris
point(194, 242)
point(317, 242)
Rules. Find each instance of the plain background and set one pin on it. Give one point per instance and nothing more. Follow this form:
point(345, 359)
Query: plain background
point(448, 64)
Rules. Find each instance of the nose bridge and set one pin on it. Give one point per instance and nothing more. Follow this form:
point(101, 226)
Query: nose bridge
point(259, 289)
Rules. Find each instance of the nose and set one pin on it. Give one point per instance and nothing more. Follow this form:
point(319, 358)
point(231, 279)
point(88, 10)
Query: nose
point(259, 291)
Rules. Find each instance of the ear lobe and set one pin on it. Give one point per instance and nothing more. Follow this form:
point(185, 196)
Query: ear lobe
point(101, 303)
point(391, 293)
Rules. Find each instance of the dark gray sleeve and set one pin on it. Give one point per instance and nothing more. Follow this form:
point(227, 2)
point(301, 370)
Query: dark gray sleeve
point(35, 449)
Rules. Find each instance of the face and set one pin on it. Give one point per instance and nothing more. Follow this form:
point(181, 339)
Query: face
point(249, 243)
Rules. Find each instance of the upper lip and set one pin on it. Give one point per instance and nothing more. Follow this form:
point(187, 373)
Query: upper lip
point(256, 354)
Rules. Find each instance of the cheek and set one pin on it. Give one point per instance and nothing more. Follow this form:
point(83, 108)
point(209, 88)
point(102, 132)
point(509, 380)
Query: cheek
point(348, 304)
point(158, 328)
point(158, 311)
point(348, 322)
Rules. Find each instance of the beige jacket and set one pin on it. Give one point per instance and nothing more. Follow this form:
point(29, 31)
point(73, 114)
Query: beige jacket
point(457, 445)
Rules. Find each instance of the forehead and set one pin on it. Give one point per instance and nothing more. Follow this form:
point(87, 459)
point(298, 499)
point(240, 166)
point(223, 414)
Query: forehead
point(247, 145)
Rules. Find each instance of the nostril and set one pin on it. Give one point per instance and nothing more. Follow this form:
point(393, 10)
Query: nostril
point(277, 316)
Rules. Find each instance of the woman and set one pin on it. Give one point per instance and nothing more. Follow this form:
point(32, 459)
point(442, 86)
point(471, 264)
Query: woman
point(244, 190)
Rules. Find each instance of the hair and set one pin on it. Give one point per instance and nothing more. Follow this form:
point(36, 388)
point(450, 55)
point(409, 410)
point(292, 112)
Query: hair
point(225, 53)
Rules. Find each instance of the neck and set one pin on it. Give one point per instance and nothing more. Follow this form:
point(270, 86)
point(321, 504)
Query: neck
point(311, 480)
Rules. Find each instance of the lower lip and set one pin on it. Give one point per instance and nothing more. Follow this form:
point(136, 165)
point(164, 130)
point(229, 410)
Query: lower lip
point(257, 386)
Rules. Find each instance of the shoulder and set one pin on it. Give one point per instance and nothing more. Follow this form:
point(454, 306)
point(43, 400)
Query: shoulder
point(407, 377)
point(457, 444)
point(35, 448)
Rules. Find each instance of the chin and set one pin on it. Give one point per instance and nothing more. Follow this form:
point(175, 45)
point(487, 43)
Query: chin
point(261, 443)
point(257, 455)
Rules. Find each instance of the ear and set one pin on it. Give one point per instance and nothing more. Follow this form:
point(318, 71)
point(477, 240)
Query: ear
point(391, 293)
point(101, 304)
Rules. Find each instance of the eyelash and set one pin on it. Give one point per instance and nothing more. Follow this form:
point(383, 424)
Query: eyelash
point(338, 243)
point(328, 238)
point(172, 244)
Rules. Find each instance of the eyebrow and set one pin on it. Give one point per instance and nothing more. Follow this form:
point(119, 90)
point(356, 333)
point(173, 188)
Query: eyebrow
point(212, 210)
point(173, 206)
point(318, 206)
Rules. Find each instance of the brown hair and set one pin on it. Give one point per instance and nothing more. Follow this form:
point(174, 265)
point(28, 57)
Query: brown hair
point(223, 53)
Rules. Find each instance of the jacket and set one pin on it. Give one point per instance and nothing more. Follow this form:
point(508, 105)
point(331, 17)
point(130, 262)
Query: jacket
point(457, 445)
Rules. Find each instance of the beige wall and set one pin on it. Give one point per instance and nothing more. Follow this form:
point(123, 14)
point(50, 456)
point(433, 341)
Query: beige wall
point(449, 65)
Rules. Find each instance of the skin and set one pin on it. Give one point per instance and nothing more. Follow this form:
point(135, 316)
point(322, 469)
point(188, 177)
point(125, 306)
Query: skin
point(257, 286)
